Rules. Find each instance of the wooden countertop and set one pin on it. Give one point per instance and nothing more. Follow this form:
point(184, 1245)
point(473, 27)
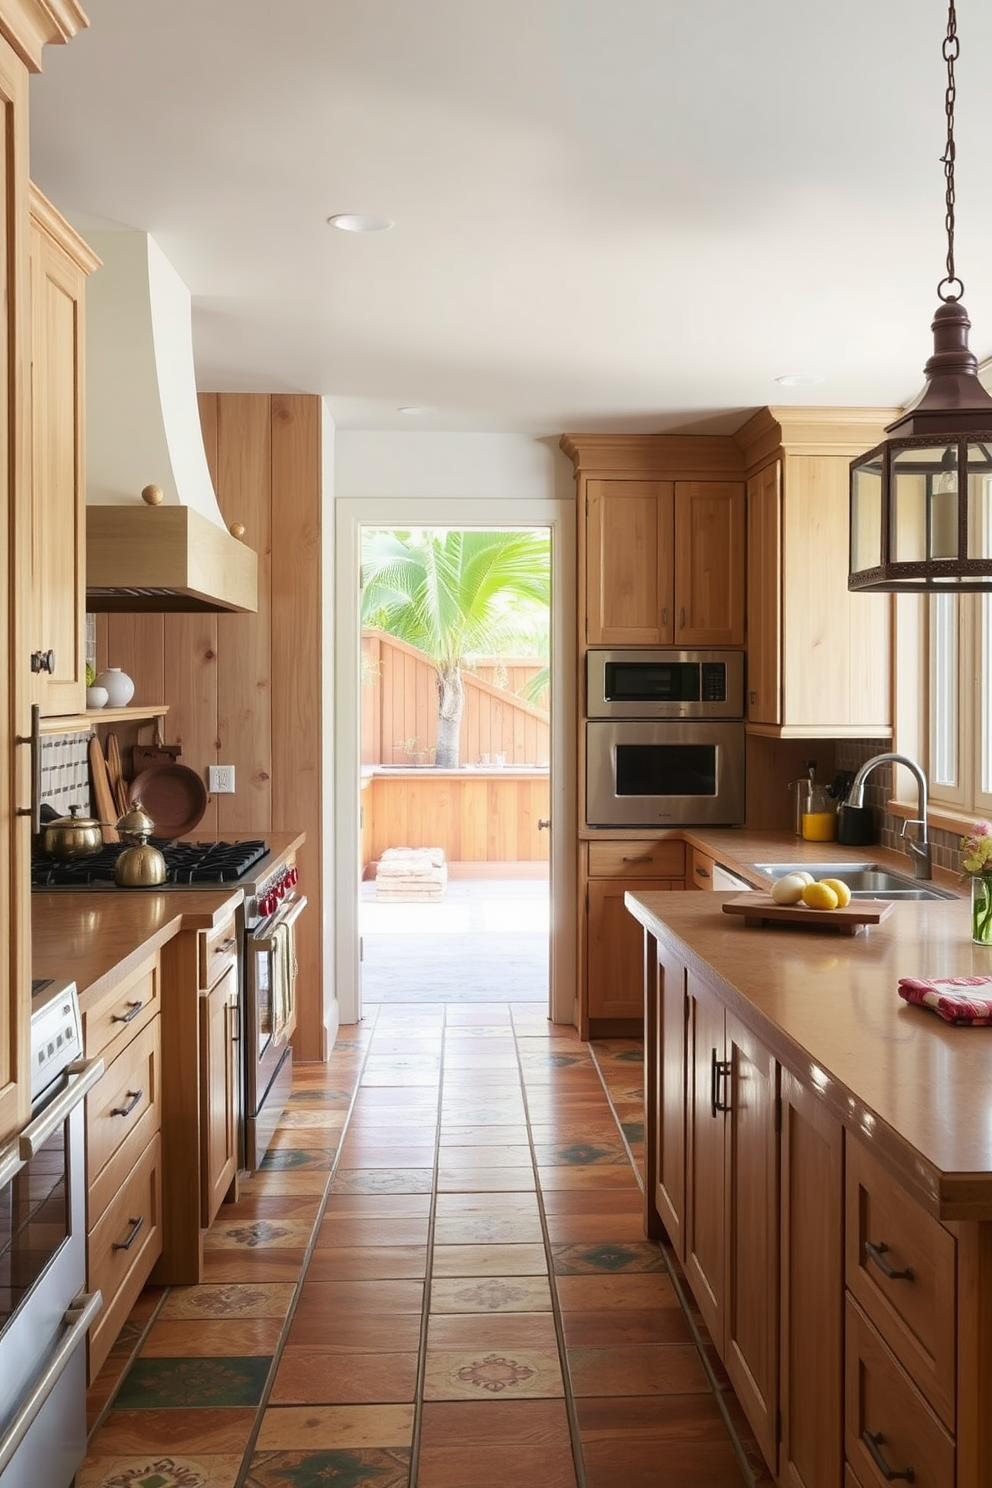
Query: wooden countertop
point(913, 1087)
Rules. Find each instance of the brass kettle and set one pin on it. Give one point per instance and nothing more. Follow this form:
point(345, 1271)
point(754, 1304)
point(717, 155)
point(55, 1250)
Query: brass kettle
point(72, 836)
point(141, 865)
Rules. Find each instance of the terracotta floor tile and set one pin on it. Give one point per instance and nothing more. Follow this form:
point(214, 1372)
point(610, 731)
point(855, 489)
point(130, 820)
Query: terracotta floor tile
point(302, 1138)
point(495, 1180)
point(315, 1426)
point(468, 1160)
point(359, 1262)
point(306, 1377)
point(606, 1179)
point(207, 1470)
point(491, 1205)
point(455, 1467)
point(364, 1230)
point(301, 1209)
point(476, 1423)
point(491, 1330)
point(290, 1158)
point(580, 1154)
point(607, 1202)
point(365, 1332)
point(377, 1206)
point(270, 1300)
point(492, 1373)
point(131, 1432)
point(385, 1155)
point(358, 1467)
point(184, 1383)
point(312, 1181)
point(489, 1260)
point(332, 1299)
point(490, 1294)
point(252, 1266)
point(627, 1290)
point(257, 1234)
point(382, 1180)
point(574, 1229)
point(464, 1229)
point(615, 1326)
point(469, 1134)
point(637, 1369)
point(608, 1258)
point(648, 1418)
point(191, 1338)
point(674, 1464)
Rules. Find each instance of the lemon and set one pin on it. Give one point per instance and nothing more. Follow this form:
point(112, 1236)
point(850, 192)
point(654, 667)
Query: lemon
point(788, 889)
point(820, 896)
point(840, 889)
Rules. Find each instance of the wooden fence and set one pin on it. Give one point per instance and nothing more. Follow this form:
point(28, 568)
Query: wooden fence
point(399, 710)
point(476, 816)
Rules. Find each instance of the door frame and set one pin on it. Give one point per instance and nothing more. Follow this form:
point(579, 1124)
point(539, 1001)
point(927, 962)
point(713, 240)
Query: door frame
point(351, 515)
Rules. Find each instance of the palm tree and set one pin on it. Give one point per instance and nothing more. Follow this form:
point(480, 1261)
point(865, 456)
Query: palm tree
point(451, 594)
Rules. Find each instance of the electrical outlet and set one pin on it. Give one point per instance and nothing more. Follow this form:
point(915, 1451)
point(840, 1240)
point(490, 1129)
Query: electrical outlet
point(221, 779)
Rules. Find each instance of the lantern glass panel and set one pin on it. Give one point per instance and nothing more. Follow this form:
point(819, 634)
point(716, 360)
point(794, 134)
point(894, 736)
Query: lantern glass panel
point(924, 506)
point(979, 502)
point(866, 515)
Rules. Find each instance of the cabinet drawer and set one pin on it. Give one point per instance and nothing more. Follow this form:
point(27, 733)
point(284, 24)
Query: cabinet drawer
point(122, 1112)
point(218, 949)
point(115, 1019)
point(850, 1481)
point(121, 1251)
point(700, 870)
point(914, 1309)
point(636, 859)
point(890, 1433)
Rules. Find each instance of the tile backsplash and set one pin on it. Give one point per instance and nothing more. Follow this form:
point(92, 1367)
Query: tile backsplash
point(945, 847)
point(65, 775)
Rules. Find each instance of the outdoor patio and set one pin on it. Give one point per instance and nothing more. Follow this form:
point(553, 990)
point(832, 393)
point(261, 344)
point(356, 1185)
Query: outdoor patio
point(485, 940)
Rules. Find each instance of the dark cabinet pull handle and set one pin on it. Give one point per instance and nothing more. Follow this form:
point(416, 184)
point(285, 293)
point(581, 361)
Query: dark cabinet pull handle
point(664, 616)
point(134, 1008)
point(227, 945)
point(682, 619)
point(644, 858)
point(135, 1096)
point(43, 661)
point(874, 1440)
point(877, 1254)
point(702, 872)
point(136, 1225)
point(719, 1070)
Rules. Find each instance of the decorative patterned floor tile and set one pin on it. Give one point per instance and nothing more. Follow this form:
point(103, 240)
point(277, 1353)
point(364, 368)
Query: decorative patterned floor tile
point(257, 1234)
point(581, 1154)
point(163, 1469)
point(382, 1180)
point(367, 1468)
point(570, 1260)
point(494, 1374)
point(224, 1301)
point(465, 1229)
point(491, 1294)
point(279, 1159)
point(163, 1384)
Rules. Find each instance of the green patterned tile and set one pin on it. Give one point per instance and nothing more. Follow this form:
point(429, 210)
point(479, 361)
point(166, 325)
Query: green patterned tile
point(368, 1467)
point(180, 1384)
point(279, 1159)
point(633, 1130)
point(636, 1255)
point(579, 1154)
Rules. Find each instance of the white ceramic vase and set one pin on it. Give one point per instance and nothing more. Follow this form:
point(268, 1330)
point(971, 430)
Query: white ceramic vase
point(96, 697)
point(119, 687)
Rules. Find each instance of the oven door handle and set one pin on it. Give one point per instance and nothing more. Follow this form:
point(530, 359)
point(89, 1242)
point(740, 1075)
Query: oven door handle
point(287, 914)
point(77, 1318)
point(82, 1077)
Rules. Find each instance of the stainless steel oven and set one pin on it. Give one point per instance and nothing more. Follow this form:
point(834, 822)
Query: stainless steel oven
point(44, 1312)
point(664, 738)
point(270, 1006)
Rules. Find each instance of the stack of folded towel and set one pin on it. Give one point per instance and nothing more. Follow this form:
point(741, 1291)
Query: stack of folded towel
point(411, 873)
point(956, 999)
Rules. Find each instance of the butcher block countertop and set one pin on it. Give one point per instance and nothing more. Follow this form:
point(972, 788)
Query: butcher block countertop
point(913, 1087)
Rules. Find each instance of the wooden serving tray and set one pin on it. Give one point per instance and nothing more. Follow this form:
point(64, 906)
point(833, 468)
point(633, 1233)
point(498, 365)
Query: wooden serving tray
point(761, 909)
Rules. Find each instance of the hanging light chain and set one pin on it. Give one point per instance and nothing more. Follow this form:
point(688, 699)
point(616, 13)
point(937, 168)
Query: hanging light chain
point(950, 288)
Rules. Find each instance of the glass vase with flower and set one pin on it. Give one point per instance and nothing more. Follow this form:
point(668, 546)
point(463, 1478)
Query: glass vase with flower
point(976, 864)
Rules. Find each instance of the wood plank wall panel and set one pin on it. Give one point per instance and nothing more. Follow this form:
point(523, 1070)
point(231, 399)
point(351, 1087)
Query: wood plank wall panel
point(297, 692)
point(244, 642)
point(246, 689)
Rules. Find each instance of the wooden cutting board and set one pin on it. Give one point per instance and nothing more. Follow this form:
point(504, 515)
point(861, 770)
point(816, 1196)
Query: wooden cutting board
point(103, 799)
point(761, 909)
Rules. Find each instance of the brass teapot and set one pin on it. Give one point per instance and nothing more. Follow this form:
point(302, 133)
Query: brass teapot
point(72, 836)
point(141, 865)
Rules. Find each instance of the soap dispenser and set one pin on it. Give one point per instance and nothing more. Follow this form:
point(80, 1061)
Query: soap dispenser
point(819, 812)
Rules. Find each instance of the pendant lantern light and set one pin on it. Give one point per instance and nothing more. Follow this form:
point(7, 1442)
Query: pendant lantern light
point(921, 501)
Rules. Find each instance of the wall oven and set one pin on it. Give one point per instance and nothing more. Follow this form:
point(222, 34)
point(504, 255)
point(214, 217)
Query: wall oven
point(269, 1006)
point(664, 738)
point(44, 1311)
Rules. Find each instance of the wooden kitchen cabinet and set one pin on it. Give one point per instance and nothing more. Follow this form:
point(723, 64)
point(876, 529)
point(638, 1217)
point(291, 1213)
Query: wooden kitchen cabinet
point(60, 262)
point(818, 657)
point(123, 1150)
point(219, 1096)
point(664, 563)
point(665, 1120)
point(613, 984)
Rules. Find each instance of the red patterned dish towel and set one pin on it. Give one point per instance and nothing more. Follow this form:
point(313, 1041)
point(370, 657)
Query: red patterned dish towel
point(956, 999)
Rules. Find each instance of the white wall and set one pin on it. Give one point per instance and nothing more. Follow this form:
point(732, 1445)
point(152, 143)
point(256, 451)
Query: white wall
point(470, 466)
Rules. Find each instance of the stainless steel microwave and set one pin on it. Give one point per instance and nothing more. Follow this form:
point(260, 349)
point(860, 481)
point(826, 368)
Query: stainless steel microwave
point(664, 683)
point(654, 773)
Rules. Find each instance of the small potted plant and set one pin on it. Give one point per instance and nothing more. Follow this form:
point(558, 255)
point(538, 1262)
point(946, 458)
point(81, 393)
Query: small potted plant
point(976, 864)
point(96, 697)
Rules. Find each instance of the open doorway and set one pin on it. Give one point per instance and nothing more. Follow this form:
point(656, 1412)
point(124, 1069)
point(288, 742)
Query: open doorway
point(455, 764)
point(558, 516)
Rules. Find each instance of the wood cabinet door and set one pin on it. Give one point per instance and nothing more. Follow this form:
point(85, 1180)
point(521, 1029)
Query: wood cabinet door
point(764, 595)
point(752, 1232)
point(709, 563)
point(812, 1290)
point(218, 1093)
point(15, 611)
point(615, 949)
point(706, 1202)
point(668, 1116)
point(630, 563)
point(59, 261)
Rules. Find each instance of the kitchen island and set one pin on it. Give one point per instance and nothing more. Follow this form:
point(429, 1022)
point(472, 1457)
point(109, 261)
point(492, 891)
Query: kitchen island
point(819, 1155)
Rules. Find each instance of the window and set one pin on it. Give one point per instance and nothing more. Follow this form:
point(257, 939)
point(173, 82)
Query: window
point(960, 690)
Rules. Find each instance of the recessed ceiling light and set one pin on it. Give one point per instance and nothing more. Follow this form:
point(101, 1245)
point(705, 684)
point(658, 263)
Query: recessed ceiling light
point(799, 379)
point(360, 222)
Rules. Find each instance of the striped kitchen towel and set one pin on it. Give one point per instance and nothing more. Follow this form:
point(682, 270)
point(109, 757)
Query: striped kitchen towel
point(956, 999)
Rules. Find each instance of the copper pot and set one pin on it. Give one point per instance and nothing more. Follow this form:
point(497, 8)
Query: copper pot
point(72, 836)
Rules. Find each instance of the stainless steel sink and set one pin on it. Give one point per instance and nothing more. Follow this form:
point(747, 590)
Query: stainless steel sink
point(865, 880)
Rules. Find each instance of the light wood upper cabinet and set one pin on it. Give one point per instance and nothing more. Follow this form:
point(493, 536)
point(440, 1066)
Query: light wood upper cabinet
point(818, 656)
point(664, 563)
point(60, 262)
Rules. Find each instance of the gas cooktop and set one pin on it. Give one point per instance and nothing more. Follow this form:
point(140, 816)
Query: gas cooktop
point(190, 865)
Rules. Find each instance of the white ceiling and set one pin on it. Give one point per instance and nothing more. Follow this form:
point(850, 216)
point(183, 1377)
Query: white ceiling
point(614, 215)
